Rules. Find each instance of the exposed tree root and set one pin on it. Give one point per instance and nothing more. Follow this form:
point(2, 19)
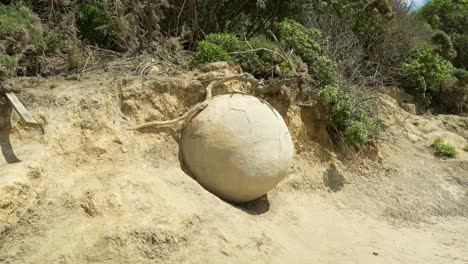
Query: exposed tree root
point(257, 86)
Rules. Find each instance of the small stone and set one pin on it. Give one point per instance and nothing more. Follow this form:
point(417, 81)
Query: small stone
point(216, 66)
point(154, 70)
point(129, 105)
point(35, 172)
point(410, 108)
point(117, 141)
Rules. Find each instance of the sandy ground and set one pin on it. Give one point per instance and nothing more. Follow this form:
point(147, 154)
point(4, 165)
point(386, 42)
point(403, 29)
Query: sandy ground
point(81, 188)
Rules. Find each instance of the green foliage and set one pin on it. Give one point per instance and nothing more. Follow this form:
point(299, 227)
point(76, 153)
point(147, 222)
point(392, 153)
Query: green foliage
point(429, 72)
point(261, 41)
point(460, 43)
point(366, 18)
point(12, 17)
point(94, 23)
point(356, 133)
point(447, 15)
point(379, 8)
point(53, 42)
point(19, 23)
point(349, 117)
point(10, 63)
point(442, 149)
point(460, 74)
point(304, 43)
point(444, 42)
point(260, 57)
point(208, 52)
point(264, 62)
point(450, 16)
point(227, 41)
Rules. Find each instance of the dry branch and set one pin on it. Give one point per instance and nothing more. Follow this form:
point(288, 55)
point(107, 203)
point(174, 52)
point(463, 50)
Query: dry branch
point(192, 111)
point(257, 87)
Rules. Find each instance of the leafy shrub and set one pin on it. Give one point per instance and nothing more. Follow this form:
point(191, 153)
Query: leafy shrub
point(356, 133)
point(429, 72)
point(208, 52)
point(17, 22)
point(10, 63)
point(460, 42)
point(444, 42)
point(12, 17)
point(304, 43)
point(350, 118)
point(94, 23)
point(450, 16)
point(265, 61)
point(367, 18)
point(53, 43)
point(124, 25)
point(228, 42)
point(460, 74)
point(260, 57)
point(442, 149)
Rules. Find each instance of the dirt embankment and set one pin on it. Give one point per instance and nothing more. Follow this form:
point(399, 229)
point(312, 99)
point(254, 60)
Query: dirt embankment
point(82, 188)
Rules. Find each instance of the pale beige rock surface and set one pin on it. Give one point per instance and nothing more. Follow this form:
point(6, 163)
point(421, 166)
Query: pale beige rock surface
point(238, 148)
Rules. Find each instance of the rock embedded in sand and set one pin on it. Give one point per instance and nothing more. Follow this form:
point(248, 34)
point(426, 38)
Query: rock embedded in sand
point(238, 148)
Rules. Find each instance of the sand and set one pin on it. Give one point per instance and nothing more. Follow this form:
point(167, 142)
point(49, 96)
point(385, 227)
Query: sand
point(81, 188)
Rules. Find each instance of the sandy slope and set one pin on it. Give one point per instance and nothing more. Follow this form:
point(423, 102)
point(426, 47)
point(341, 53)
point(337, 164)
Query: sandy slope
point(87, 190)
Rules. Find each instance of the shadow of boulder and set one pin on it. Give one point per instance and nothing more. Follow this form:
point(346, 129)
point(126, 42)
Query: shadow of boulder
point(255, 207)
point(334, 179)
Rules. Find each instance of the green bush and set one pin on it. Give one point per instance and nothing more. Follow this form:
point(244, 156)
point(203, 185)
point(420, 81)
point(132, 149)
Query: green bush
point(266, 61)
point(442, 149)
point(207, 52)
point(19, 23)
point(367, 18)
point(260, 57)
point(356, 133)
point(53, 43)
point(304, 43)
point(429, 72)
point(10, 63)
point(350, 118)
point(450, 16)
point(460, 42)
point(460, 74)
point(12, 17)
point(229, 42)
point(94, 24)
point(444, 42)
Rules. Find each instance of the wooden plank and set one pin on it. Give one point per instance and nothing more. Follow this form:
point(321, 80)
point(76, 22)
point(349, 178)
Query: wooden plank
point(20, 109)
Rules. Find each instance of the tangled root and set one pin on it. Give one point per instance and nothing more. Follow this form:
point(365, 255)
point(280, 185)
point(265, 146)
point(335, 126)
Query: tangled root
point(258, 88)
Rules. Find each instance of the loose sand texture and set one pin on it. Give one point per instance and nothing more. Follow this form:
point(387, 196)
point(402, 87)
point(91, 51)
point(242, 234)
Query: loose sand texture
point(82, 188)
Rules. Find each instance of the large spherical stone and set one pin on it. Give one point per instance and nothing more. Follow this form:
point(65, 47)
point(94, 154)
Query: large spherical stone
point(238, 148)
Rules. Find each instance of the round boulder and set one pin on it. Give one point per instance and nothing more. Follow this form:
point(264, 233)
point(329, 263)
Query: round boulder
point(238, 147)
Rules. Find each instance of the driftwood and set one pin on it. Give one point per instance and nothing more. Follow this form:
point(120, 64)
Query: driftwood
point(20, 109)
point(258, 88)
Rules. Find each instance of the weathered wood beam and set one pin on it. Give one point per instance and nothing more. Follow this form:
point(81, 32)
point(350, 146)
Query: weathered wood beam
point(20, 109)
